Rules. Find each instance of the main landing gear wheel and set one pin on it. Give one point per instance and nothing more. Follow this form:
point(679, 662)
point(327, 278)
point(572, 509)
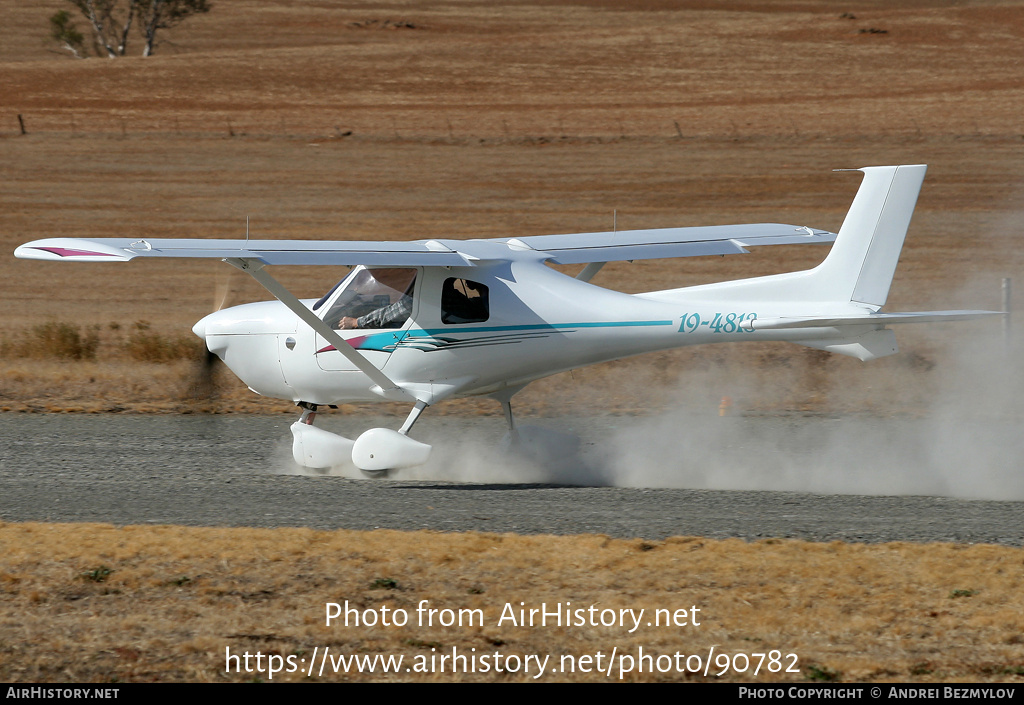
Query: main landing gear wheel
point(375, 453)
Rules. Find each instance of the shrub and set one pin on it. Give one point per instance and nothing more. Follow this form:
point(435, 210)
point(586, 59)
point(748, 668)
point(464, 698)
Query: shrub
point(149, 346)
point(65, 341)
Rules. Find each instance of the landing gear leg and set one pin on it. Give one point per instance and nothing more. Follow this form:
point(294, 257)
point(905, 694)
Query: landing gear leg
point(413, 416)
point(308, 413)
point(504, 397)
point(513, 433)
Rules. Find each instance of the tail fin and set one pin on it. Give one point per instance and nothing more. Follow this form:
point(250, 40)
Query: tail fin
point(860, 266)
point(837, 302)
point(862, 262)
point(859, 270)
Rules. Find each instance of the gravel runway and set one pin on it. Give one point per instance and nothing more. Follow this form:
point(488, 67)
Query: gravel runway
point(236, 471)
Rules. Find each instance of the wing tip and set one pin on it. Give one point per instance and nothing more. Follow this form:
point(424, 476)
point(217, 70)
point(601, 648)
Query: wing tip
point(70, 250)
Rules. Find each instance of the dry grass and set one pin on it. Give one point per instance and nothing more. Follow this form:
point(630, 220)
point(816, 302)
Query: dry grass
point(163, 603)
point(52, 340)
point(64, 367)
point(146, 345)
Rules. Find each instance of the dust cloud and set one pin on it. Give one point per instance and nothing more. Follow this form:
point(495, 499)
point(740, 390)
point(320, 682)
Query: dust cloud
point(962, 438)
point(966, 443)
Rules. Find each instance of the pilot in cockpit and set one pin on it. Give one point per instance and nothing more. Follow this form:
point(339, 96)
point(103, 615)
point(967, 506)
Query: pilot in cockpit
point(389, 292)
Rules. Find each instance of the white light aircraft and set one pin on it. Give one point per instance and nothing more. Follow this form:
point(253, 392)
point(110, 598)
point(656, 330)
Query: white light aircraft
point(430, 320)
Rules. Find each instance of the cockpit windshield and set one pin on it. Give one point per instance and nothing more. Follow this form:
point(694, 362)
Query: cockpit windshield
point(373, 298)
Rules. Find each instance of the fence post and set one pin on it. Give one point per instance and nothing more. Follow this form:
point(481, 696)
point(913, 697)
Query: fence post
point(1007, 333)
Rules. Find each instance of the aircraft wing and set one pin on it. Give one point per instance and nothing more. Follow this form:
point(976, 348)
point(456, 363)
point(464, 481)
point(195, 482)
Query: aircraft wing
point(561, 249)
point(396, 254)
point(668, 242)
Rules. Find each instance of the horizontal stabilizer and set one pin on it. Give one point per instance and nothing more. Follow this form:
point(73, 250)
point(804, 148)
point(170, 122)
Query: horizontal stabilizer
point(875, 319)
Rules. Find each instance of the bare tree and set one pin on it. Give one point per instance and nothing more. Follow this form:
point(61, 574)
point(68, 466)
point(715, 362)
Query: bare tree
point(164, 14)
point(111, 22)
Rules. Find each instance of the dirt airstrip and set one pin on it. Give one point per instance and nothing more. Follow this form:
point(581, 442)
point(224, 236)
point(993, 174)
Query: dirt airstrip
point(475, 119)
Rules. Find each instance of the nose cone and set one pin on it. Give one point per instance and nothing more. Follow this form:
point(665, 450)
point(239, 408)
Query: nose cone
point(210, 329)
point(219, 328)
point(200, 327)
point(246, 338)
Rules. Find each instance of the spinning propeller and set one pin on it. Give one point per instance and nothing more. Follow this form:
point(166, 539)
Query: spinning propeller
point(202, 386)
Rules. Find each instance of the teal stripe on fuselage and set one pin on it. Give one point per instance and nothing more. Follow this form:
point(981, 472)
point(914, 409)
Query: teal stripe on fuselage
point(541, 326)
point(378, 341)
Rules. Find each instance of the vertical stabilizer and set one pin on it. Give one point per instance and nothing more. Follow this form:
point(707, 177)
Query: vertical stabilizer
point(860, 266)
point(862, 262)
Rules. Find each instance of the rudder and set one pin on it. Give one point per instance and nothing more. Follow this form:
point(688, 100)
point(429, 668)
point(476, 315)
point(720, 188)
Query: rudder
point(861, 264)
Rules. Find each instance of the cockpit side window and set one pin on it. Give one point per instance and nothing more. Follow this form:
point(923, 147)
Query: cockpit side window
point(464, 301)
point(374, 298)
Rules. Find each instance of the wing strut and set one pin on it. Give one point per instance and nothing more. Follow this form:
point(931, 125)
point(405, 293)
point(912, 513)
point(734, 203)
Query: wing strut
point(590, 270)
point(255, 269)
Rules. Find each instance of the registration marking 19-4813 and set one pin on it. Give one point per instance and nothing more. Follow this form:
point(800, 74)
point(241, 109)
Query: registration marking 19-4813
point(721, 323)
